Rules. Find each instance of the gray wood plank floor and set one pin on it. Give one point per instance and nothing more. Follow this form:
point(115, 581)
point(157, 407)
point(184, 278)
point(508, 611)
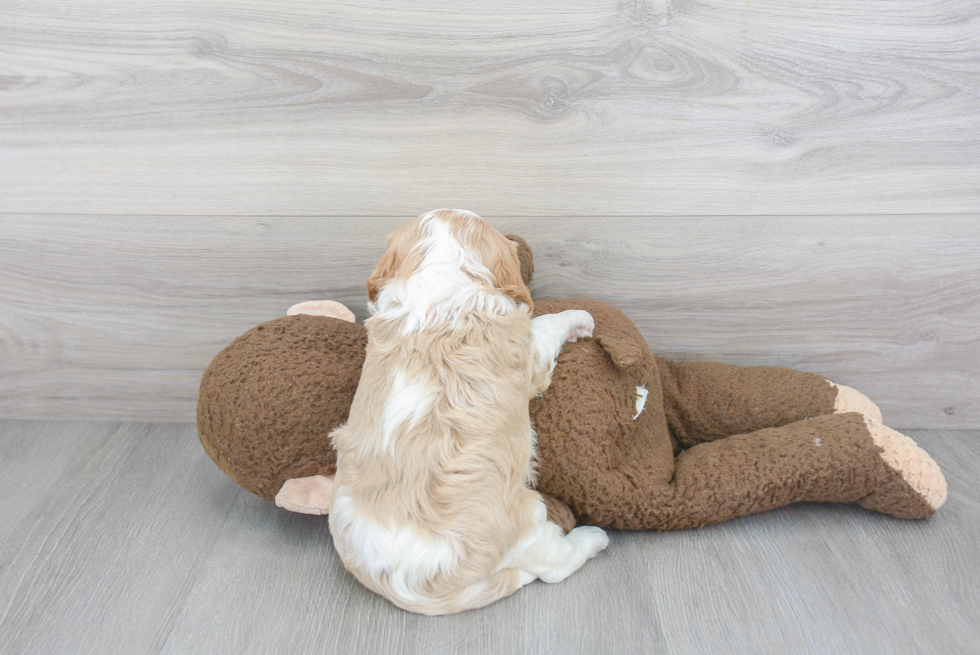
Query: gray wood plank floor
point(123, 537)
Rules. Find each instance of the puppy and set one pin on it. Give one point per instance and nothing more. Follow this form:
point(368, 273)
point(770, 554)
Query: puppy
point(432, 506)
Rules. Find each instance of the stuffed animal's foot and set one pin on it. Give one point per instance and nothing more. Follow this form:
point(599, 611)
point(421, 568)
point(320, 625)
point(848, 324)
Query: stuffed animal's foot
point(329, 308)
point(918, 487)
point(310, 495)
point(852, 400)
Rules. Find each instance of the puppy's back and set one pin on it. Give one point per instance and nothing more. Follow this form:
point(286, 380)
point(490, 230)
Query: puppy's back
point(434, 462)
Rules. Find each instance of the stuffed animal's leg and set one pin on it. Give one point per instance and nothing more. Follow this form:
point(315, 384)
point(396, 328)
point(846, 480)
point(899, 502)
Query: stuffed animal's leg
point(705, 401)
point(844, 458)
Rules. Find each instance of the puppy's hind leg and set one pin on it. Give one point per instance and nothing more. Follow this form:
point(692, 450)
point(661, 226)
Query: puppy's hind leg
point(548, 554)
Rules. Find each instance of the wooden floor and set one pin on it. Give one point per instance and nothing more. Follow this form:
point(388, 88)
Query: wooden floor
point(125, 538)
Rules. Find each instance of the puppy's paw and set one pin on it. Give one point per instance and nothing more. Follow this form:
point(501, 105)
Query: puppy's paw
point(588, 540)
point(581, 324)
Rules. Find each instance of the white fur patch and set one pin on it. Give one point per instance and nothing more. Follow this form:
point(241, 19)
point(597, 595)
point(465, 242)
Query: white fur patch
point(552, 331)
point(409, 401)
point(451, 278)
point(513, 556)
point(408, 560)
point(545, 553)
point(641, 401)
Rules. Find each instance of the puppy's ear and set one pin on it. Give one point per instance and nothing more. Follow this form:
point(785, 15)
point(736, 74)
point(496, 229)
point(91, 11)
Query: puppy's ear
point(382, 272)
point(506, 269)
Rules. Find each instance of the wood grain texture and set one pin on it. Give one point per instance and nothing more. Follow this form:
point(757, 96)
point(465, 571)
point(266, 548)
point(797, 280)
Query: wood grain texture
point(111, 543)
point(117, 317)
point(556, 108)
point(135, 542)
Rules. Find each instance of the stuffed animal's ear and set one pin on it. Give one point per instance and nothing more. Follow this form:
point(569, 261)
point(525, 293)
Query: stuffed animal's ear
point(623, 352)
point(330, 308)
point(526, 256)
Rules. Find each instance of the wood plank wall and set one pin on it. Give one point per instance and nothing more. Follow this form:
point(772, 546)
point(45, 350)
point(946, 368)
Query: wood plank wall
point(122, 326)
point(764, 181)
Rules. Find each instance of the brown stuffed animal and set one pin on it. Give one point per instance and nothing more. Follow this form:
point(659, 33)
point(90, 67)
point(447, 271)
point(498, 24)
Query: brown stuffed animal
point(626, 439)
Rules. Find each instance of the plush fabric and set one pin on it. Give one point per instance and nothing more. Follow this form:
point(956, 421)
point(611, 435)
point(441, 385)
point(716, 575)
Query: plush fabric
point(741, 435)
point(712, 442)
point(269, 401)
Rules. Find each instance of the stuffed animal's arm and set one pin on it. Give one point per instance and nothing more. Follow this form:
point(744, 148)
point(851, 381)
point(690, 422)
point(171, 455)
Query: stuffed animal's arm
point(309, 495)
point(705, 401)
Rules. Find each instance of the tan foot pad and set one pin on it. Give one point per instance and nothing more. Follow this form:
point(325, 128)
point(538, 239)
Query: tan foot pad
point(918, 490)
point(306, 495)
point(329, 308)
point(852, 400)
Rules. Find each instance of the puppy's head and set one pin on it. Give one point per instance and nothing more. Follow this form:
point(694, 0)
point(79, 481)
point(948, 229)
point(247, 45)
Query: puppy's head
point(455, 237)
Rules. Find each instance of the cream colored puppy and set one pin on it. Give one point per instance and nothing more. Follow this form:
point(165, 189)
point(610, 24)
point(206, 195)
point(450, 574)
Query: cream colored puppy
point(431, 503)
